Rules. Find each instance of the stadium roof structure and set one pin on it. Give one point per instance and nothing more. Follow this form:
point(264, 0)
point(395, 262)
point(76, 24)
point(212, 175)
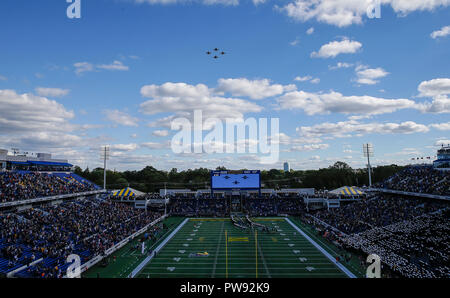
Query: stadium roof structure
point(348, 191)
point(41, 163)
point(50, 163)
point(127, 192)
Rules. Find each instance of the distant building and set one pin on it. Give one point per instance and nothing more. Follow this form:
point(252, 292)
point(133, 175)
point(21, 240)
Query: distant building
point(25, 162)
point(287, 167)
point(443, 158)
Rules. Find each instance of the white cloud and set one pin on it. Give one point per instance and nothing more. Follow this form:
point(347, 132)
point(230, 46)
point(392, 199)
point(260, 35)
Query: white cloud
point(309, 147)
point(406, 151)
point(343, 13)
point(254, 89)
point(295, 42)
point(81, 67)
point(121, 118)
point(335, 48)
point(369, 76)
point(116, 65)
point(439, 105)
point(310, 31)
point(257, 2)
point(3, 78)
point(30, 113)
point(37, 123)
point(307, 78)
point(182, 99)
point(205, 2)
point(340, 65)
point(441, 126)
point(355, 128)
point(303, 79)
point(334, 102)
point(52, 92)
point(438, 89)
point(156, 146)
point(124, 147)
point(160, 133)
point(435, 87)
point(441, 33)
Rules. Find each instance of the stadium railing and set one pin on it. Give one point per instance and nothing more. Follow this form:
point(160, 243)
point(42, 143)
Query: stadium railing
point(117, 246)
point(406, 193)
point(11, 274)
point(51, 198)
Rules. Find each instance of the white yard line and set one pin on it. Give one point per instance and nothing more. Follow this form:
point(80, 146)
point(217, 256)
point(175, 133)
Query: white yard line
point(323, 251)
point(217, 250)
point(157, 249)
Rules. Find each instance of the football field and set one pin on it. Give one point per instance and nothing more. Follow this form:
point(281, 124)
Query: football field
point(215, 248)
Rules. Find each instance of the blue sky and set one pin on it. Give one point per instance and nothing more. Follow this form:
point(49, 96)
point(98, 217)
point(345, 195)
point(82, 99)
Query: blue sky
point(335, 78)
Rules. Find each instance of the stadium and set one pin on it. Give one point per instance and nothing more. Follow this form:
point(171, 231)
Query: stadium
point(214, 146)
point(235, 228)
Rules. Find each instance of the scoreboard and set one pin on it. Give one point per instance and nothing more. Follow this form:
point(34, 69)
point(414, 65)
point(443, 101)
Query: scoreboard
point(228, 180)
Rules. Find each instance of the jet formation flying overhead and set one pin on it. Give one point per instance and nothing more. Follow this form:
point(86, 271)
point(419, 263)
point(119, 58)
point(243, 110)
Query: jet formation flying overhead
point(216, 53)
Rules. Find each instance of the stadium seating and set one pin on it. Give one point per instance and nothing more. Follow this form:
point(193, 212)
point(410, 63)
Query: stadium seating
point(410, 235)
point(87, 227)
point(29, 185)
point(420, 179)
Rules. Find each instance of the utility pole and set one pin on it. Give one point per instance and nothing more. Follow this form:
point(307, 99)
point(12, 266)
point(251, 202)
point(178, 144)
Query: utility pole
point(368, 152)
point(105, 156)
point(165, 198)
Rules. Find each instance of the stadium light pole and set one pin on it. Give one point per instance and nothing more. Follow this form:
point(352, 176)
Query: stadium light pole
point(15, 151)
point(368, 152)
point(105, 156)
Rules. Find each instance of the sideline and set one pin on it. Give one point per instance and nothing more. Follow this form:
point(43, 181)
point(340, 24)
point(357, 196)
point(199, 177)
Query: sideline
point(157, 249)
point(330, 257)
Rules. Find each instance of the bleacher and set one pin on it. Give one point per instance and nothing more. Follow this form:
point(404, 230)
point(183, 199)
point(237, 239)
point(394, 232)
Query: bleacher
point(94, 226)
point(419, 179)
point(26, 185)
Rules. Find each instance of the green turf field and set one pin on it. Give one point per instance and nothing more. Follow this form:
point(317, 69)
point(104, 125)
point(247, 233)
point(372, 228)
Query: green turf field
point(123, 261)
point(282, 253)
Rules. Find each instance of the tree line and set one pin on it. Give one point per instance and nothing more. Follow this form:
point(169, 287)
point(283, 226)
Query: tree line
point(150, 179)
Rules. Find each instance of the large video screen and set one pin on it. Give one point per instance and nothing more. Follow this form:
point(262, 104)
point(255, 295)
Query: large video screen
point(235, 180)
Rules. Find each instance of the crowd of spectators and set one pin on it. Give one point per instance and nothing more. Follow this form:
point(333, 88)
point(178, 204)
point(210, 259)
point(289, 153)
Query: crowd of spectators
point(420, 179)
point(260, 207)
point(86, 226)
point(417, 248)
point(360, 216)
point(220, 207)
point(23, 186)
point(410, 235)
